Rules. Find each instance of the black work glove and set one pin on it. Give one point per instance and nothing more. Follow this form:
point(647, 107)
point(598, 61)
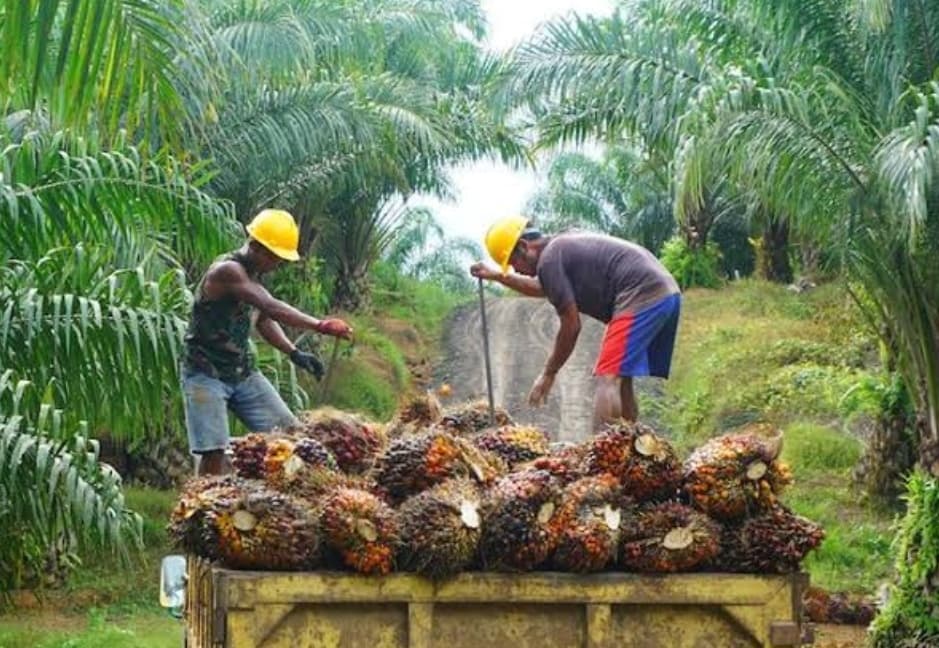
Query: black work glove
point(307, 362)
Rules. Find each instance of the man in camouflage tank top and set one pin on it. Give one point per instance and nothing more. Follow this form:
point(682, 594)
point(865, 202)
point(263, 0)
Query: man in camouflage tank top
point(219, 371)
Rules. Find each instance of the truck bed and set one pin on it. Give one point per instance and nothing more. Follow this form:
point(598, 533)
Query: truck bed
point(236, 609)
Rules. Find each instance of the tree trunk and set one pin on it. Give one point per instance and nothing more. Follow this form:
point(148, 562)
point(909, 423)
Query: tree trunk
point(773, 258)
point(352, 291)
point(888, 458)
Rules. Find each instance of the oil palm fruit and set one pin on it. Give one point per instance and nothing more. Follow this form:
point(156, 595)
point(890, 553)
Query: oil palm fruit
point(736, 475)
point(418, 414)
point(565, 461)
point(440, 529)
point(414, 463)
point(773, 542)
point(514, 444)
point(645, 463)
point(589, 524)
point(354, 443)
point(302, 467)
point(248, 454)
point(247, 526)
point(668, 537)
point(187, 520)
point(361, 529)
point(519, 530)
point(471, 417)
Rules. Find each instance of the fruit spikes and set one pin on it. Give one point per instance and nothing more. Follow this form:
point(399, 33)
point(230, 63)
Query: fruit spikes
point(473, 417)
point(519, 532)
point(589, 524)
point(735, 475)
point(514, 444)
point(644, 462)
point(440, 529)
point(415, 463)
point(361, 529)
point(668, 537)
point(775, 542)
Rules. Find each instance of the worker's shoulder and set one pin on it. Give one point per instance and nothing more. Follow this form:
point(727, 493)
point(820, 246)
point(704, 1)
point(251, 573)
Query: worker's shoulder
point(226, 269)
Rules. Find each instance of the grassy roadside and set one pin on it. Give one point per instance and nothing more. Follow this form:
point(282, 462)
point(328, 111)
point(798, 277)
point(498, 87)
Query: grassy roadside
point(105, 604)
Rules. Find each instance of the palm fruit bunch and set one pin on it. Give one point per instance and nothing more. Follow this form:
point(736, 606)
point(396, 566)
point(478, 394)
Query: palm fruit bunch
point(419, 413)
point(821, 606)
point(361, 529)
point(514, 444)
point(302, 467)
point(440, 529)
point(565, 461)
point(247, 526)
point(773, 542)
point(186, 527)
point(668, 537)
point(735, 475)
point(248, 454)
point(473, 417)
point(412, 464)
point(353, 442)
point(589, 524)
point(646, 464)
point(519, 532)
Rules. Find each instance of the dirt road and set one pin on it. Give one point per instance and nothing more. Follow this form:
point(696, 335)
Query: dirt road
point(521, 336)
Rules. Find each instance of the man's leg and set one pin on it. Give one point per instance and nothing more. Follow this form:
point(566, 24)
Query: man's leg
point(205, 400)
point(259, 406)
point(606, 401)
point(214, 462)
point(627, 395)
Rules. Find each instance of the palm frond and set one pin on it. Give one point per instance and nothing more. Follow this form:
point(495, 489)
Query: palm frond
point(55, 495)
point(58, 190)
point(908, 163)
point(72, 322)
point(107, 63)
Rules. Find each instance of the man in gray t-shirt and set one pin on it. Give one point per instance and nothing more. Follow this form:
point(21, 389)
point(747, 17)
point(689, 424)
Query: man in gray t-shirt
point(617, 282)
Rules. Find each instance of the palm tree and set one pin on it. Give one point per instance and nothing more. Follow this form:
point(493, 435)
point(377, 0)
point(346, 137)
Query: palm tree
point(825, 113)
point(618, 195)
point(336, 110)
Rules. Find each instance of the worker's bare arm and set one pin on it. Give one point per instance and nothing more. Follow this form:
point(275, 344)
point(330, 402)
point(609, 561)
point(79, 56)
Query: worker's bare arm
point(528, 286)
point(565, 340)
point(229, 278)
point(273, 334)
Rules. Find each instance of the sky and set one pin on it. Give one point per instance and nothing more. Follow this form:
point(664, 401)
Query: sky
point(485, 190)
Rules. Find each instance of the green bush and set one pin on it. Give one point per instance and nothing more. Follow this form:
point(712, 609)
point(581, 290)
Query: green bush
point(692, 268)
point(911, 617)
point(56, 498)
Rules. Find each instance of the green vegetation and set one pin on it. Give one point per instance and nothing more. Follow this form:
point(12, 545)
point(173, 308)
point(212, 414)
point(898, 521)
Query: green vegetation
point(106, 603)
point(910, 615)
point(135, 140)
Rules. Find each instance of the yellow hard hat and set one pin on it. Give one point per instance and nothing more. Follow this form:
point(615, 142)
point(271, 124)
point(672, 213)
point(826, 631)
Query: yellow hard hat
point(502, 238)
point(276, 230)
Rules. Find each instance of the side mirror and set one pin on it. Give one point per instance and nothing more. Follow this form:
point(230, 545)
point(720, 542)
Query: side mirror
point(173, 582)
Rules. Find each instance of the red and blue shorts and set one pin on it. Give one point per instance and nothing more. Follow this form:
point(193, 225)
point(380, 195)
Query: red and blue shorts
point(641, 343)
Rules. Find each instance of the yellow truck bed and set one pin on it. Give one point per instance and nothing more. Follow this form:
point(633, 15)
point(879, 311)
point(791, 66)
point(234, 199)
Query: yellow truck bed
point(238, 609)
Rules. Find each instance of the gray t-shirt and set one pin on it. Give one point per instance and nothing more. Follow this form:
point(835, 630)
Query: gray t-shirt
point(602, 275)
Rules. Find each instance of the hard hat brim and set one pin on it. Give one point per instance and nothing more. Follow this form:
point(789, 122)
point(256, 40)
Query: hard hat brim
point(284, 253)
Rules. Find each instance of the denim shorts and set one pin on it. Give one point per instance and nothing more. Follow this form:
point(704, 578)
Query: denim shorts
point(207, 400)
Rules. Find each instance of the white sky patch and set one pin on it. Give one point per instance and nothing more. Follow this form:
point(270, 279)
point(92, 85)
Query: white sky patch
point(486, 190)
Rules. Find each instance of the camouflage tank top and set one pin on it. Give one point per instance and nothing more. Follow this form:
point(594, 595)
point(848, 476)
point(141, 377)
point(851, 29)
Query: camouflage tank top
point(217, 338)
